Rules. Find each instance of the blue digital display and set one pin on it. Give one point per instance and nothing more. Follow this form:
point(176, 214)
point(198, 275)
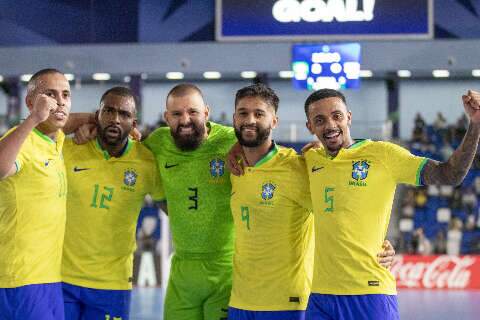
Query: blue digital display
point(335, 66)
point(323, 19)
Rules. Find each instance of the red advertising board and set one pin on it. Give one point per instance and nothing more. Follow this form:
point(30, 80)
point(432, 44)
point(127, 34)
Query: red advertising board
point(437, 272)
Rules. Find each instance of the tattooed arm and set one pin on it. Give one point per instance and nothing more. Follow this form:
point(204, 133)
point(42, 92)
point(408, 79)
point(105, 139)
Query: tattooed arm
point(455, 169)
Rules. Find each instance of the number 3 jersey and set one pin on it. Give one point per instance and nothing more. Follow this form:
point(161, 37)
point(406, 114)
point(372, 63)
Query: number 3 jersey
point(352, 197)
point(197, 187)
point(105, 196)
point(273, 258)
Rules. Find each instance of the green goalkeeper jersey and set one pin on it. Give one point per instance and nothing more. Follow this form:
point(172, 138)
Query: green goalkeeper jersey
point(197, 188)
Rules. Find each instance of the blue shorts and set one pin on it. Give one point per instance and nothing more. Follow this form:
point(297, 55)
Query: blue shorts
point(239, 314)
point(32, 302)
point(86, 303)
point(358, 307)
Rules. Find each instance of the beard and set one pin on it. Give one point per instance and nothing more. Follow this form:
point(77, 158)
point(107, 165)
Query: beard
point(262, 136)
point(191, 141)
point(112, 141)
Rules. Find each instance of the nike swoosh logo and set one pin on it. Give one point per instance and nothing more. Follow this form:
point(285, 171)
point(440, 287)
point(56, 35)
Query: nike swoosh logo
point(232, 193)
point(315, 169)
point(168, 166)
point(76, 169)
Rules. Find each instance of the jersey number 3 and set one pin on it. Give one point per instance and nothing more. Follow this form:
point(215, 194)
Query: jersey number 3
point(194, 198)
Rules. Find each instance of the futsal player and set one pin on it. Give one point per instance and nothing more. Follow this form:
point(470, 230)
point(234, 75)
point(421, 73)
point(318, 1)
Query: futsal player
point(191, 158)
point(108, 179)
point(33, 192)
point(352, 183)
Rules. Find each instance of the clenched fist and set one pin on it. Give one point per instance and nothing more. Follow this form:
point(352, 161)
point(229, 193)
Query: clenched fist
point(42, 107)
point(471, 103)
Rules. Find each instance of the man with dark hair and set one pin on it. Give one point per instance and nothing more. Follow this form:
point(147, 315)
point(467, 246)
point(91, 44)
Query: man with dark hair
point(345, 175)
point(32, 203)
point(108, 179)
point(191, 156)
point(270, 206)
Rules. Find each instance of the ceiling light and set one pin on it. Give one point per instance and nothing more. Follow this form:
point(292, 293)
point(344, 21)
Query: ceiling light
point(174, 75)
point(441, 73)
point(366, 74)
point(69, 76)
point(101, 76)
point(212, 75)
point(26, 77)
point(248, 74)
point(404, 73)
point(286, 74)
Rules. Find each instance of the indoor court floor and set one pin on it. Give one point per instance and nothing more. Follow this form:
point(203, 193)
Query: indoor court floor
point(414, 304)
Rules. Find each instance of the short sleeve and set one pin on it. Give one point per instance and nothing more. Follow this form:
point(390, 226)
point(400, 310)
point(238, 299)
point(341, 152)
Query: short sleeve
point(22, 156)
point(403, 165)
point(157, 192)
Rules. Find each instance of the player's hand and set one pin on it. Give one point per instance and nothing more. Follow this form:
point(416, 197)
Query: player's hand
point(233, 157)
point(85, 133)
point(471, 103)
point(135, 134)
point(43, 106)
point(311, 145)
point(385, 258)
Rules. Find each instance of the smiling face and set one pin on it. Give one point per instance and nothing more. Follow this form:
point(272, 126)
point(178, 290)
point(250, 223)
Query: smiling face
point(253, 120)
point(54, 85)
point(116, 118)
point(330, 121)
point(187, 117)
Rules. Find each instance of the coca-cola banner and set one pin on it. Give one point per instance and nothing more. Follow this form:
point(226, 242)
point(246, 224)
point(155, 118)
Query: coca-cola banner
point(437, 272)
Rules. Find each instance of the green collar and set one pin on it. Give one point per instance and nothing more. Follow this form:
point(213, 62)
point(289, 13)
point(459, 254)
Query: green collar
point(43, 136)
point(105, 153)
point(272, 152)
point(358, 143)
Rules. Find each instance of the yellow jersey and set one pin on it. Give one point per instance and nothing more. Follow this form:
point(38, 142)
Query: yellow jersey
point(105, 197)
point(32, 213)
point(271, 207)
point(352, 196)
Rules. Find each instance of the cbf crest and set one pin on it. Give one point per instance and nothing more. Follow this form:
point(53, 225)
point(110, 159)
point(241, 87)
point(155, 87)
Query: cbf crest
point(217, 168)
point(130, 177)
point(268, 190)
point(360, 170)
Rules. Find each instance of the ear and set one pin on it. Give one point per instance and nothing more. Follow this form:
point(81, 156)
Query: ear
point(165, 117)
point(349, 118)
point(274, 122)
point(207, 112)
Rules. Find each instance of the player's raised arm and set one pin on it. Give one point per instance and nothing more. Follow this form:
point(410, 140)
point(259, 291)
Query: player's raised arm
point(78, 119)
point(11, 144)
point(455, 169)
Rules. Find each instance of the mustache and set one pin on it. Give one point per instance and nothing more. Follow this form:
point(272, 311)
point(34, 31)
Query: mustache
point(248, 126)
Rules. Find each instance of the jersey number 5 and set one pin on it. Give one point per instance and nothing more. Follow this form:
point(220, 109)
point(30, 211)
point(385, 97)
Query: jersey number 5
point(329, 199)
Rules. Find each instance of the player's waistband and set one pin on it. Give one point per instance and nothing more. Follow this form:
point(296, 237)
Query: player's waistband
point(202, 255)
